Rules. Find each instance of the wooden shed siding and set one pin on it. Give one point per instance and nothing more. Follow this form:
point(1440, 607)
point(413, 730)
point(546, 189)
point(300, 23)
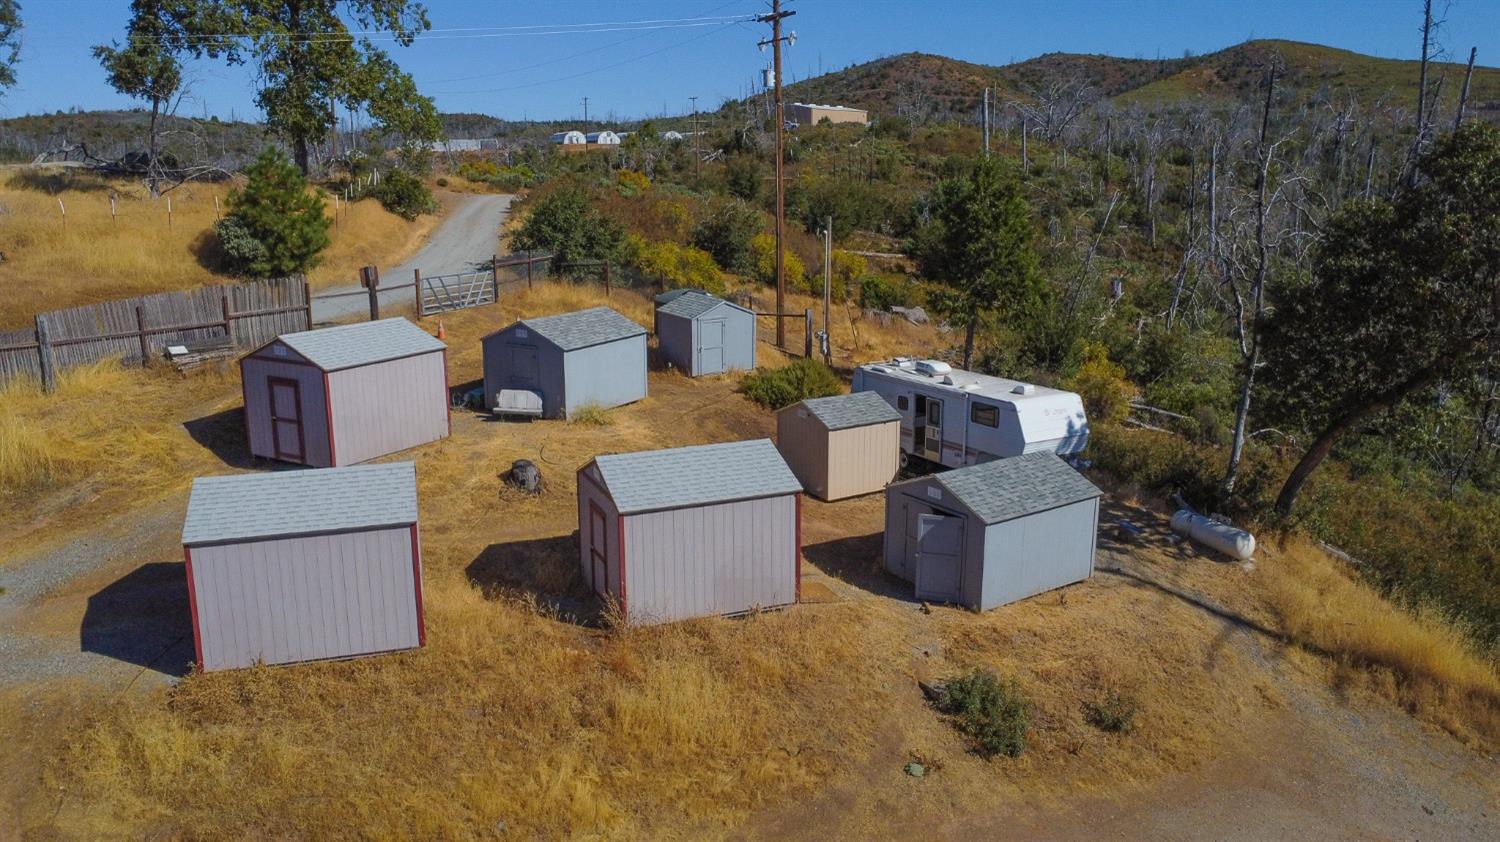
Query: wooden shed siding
point(861, 460)
point(1039, 552)
point(606, 375)
point(306, 598)
point(700, 561)
point(254, 371)
point(389, 406)
point(803, 443)
point(591, 490)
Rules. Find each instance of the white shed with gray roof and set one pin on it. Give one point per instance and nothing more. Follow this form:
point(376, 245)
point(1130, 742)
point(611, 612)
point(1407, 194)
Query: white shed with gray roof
point(992, 533)
point(841, 446)
point(593, 357)
point(303, 565)
point(704, 334)
point(347, 394)
point(692, 531)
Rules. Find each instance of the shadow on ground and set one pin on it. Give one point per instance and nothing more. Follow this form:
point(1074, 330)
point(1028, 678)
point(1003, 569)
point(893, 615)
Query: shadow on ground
point(859, 562)
point(543, 570)
point(223, 433)
point(142, 618)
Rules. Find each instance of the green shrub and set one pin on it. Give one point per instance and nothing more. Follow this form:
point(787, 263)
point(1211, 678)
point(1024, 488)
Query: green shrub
point(676, 266)
point(991, 711)
point(878, 292)
point(1101, 383)
point(779, 387)
point(573, 230)
point(1112, 711)
point(763, 259)
point(743, 176)
point(726, 234)
point(278, 226)
point(404, 195)
point(591, 415)
point(631, 183)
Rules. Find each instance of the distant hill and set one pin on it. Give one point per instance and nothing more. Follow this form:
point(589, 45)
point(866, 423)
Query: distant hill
point(114, 134)
point(900, 84)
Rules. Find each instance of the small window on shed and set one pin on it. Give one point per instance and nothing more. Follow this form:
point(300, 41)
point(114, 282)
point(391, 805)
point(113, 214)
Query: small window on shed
point(985, 415)
point(901, 403)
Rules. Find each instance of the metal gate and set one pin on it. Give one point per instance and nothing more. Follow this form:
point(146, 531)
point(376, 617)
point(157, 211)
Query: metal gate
point(441, 293)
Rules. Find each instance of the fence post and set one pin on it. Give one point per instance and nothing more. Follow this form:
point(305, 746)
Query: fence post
point(371, 277)
point(416, 286)
point(46, 362)
point(228, 319)
point(528, 268)
point(606, 279)
point(807, 334)
point(140, 324)
point(307, 303)
point(495, 276)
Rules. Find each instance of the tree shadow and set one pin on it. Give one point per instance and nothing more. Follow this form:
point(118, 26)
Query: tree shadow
point(55, 180)
point(142, 618)
point(860, 561)
point(223, 434)
point(208, 250)
point(543, 571)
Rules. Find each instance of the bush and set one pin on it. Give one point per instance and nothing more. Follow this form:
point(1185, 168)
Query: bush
point(278, 227)
point(763, 259)
point(567, 225)
point(591, 415)
point(726, 234)
point(990, 711)
point(404, 195)
point(676, 266)
point(878, 292)
point(1112, 712)
point(1102, 385)
point(779, 387)
point(742, 173)
point(631, 183)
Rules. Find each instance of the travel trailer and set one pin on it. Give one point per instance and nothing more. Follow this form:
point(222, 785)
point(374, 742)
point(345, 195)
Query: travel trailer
point(953, 418)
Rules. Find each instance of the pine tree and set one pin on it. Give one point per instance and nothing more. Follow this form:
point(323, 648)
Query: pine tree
point(275, 226)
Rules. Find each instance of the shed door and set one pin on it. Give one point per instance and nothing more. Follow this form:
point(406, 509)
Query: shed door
point(940, 569)
point(523, 372)
point(711, 346)
point(286, 418)
point(598, 550)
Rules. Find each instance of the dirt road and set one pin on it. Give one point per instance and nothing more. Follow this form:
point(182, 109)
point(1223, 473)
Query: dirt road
point(469, 237)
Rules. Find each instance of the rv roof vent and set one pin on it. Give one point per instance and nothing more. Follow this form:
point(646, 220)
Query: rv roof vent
point(947, 380)
point(906, 363)
point(1023, 389)
point(880, 368)
point(933, 368)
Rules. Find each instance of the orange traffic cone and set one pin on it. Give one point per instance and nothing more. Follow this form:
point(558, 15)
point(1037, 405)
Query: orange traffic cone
point(442, 332)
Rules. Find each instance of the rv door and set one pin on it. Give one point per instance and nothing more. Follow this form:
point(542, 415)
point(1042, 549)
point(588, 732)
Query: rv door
point(932, 442)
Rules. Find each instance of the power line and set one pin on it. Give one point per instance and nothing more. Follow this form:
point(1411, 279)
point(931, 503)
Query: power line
point(317, 36)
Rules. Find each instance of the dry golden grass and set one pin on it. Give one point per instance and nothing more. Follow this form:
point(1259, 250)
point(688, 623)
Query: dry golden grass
point(48, 265)
point(1414, 657)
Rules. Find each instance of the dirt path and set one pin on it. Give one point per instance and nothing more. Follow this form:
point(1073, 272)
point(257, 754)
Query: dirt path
point(468, 237)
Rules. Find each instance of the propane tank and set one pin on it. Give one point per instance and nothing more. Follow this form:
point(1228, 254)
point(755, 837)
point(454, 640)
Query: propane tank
point(1235, 543)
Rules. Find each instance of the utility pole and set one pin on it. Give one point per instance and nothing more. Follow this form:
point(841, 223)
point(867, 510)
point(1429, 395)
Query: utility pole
point(697, 157)
point(774, 18)
point(585, 115)
point(986, 122)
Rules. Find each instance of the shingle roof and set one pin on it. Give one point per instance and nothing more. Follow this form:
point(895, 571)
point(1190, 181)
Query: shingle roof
point(248, 506)
point(695, 476)
point(1006, 489)
point(691, 304)
point(583, 328)
point(345, 346)
point(858, 409)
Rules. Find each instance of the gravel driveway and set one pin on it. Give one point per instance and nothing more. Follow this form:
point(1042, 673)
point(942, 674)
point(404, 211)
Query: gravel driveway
point(468, 237)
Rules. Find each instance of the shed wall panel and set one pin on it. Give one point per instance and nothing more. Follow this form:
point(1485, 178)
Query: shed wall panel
point(803, 443)
point(591, 493)
point(309, 379)
point(861, 460)
point(605, 375)
point(706, 560)
point(300, 599)
point(1039, 552)
point(739, 337)
point(549, 364)
point(674, 336)
point(387, 407)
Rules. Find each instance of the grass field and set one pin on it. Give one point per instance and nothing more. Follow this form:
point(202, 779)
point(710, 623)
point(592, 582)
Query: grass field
point(50, 263)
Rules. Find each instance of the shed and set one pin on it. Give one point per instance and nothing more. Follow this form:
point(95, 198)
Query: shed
point(841, 446)
point(593, 357)
point(347, 394)
point(604, 138)
point(303, 565)
point(692, 531)
point(704, 334)
point(993, 533)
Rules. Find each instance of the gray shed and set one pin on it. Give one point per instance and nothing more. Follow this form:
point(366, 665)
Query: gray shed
point(691, 531)
point(704, 334)
point(593, 357)
point(992, 533)
point(347, 394)
point(841, 446)
point(303, 565)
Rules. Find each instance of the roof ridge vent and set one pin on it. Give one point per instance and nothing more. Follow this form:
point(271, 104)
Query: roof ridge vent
point(1023, 389)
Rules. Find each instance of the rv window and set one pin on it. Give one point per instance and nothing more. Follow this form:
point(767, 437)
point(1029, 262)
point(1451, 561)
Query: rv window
point(985, 415)
point(901, 402)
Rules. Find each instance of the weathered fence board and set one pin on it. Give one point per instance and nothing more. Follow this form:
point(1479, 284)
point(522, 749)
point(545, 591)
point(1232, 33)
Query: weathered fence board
point(139, 329)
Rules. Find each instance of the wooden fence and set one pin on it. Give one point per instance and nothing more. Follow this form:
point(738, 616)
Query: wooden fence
point(138, 330)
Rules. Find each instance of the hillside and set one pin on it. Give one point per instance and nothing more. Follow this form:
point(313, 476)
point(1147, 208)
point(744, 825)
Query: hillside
point(113, 134)
point(938, 86)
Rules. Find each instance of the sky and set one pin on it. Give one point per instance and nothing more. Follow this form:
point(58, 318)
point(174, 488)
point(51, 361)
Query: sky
point(528, 59)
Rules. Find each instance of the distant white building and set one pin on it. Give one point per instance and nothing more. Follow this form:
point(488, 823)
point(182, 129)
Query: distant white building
point(569, 138)
point(810, 114)
point(671, 135)
point(604, 138)
point(456, 145)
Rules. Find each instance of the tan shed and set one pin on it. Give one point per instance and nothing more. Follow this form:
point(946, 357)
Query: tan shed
point(841, 446)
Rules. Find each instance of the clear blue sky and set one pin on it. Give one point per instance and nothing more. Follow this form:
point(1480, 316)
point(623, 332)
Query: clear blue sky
point(545, 72)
